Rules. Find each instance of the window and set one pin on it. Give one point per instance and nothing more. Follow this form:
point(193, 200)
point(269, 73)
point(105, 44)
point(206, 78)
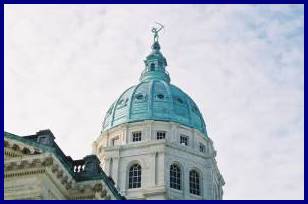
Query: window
point(194, 109)
point(152, 67)
point(160, 96)
point(202, 147)
point(115, 141)
point(110, 110)
point(136, 136)
point(175, 177)
point(194, 182)
point(134, 180)
point(184, 140)
point(43, 140)
point(160, 135)
point(122, 103)
point(139, 96)
point(178, 100)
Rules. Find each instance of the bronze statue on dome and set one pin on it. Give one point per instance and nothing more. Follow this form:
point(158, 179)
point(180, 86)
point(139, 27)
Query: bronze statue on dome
point(156, 30)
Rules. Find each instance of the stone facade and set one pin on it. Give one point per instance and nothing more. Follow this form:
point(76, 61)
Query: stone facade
point(35, 168)
point(155, 157)
point(154, 142)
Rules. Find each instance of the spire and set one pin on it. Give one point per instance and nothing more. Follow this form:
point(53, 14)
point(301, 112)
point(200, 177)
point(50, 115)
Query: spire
point(155, 62)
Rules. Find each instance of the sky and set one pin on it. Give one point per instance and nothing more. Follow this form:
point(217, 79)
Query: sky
point(242, 64)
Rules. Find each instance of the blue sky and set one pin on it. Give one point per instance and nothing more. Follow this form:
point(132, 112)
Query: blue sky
point(242, 64)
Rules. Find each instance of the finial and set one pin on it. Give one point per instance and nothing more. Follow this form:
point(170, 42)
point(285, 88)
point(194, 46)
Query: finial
point(156, 30)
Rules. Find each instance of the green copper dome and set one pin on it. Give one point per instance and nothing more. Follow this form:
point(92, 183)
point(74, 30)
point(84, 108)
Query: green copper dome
point(154, 98)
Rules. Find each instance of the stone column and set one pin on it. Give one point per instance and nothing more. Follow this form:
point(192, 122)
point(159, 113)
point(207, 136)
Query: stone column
point(185, 183)
point(147, 130)
point(193, 139)
point(115, 169)
point(152, 177)
point(173, 135)
point(125, 134)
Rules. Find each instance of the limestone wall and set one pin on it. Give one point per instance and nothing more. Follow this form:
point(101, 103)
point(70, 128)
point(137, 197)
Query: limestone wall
point(155, 157)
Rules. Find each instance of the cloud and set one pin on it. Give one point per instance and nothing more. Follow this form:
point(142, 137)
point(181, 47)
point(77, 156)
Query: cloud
point(242, 64)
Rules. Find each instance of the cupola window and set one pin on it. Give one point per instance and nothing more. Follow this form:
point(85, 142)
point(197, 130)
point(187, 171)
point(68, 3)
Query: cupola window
point(184, 140)
point(122, 103)
point(160, 96)
point(202, 147)
point(178, 100)
point(110, 110)
point(160, 135)
point(140, 97)
point(152, 67)
point(137, 136)
point(194, 109)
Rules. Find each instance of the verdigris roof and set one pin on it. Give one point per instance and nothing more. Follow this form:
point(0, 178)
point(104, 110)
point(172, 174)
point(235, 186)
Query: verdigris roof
point(154, 98)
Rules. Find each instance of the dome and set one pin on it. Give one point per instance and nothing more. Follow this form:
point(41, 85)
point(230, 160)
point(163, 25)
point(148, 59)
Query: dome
point(154, 98)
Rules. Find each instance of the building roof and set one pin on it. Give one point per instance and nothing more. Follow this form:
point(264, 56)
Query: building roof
point(154, 98)
point(44, 140)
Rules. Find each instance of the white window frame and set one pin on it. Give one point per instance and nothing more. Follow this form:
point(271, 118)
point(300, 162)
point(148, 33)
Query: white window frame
point(133, 136)
point(201, 147)
point(187, 140)
point(134, 176)
point(194, 183)
point(161, 135)
point(113, 141)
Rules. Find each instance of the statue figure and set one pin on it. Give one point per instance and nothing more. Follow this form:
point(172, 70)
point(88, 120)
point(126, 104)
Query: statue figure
point(156, 30)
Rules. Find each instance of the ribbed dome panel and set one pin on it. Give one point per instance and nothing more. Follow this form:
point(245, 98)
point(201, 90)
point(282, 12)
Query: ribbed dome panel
point(154, 100)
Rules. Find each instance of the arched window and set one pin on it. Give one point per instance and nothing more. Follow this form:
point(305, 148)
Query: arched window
point(194, 182)
point(134, 180)
point(175, 177)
